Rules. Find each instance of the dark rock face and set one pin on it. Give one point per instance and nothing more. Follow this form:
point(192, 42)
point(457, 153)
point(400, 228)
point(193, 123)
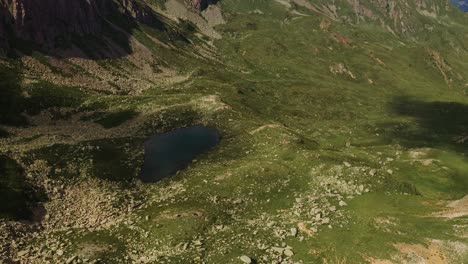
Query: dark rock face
point(5, 19)
point(197, 4)
point(44, 22)
point(200, 5)
point(48, 22)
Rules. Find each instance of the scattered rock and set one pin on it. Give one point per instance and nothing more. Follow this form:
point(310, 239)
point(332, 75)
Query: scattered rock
point(71, 259)
point(293, 231)
point(185, 246)
point(288, 252)
point(278, 249)
point(342, 203)
point(318, 217)
point(246, 259)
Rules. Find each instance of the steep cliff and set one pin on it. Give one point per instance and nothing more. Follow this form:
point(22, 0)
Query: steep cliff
point(54, 22)
point(4, 21)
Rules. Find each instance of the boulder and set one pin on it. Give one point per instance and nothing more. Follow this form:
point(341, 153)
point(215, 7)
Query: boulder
point(246, 259)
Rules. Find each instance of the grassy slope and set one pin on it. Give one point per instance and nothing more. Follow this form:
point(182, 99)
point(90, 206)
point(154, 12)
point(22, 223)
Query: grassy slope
point(276, 71)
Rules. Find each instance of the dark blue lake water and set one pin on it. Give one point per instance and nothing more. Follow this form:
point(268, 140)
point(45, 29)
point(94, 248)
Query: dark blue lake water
point(462, 4)
point(167, 153)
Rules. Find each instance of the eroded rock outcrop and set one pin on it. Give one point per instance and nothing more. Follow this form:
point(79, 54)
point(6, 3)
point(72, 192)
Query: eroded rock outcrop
point(52, 22)
point(200, 5)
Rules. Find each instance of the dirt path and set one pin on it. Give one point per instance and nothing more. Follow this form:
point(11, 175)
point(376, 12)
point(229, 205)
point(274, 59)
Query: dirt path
point(456, 209)
point(431, 255)
point(255, 131)
point(415, 253)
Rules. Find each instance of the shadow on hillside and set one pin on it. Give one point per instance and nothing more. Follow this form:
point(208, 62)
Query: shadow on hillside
point(11, 99)
point(17, 196)
point(436, 123)
point(88, 29)
point(18, 101)
point(208, 2)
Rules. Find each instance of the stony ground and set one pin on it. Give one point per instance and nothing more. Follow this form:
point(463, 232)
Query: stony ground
point(340, 143)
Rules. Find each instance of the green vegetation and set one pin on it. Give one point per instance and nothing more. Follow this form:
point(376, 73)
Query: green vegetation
point(365, 127)
point(117, 118)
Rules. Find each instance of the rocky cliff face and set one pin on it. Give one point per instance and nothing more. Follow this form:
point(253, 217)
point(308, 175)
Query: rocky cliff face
point(51, 22)
point(397, 16)
point(5, 19)
point(200, 5)
point(52, 19)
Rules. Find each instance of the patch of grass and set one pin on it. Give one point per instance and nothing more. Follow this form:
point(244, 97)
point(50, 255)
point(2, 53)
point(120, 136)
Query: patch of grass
point(99, 245)
point(377, 221)
point(117, 118)
point(437, 124)
point(11, 99)
point(45, 95)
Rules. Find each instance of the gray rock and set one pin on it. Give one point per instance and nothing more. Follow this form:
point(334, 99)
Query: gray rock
point(278, 249)
point(318, 217)
point(288, 252)
point(185, 246)
point(23, 253)
point(342, 203)
point(246, 259)
point(71, 259)
point(293, 231)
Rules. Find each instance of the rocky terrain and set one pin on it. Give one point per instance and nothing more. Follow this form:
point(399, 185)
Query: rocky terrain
point(53, 23)
point(343, 131)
